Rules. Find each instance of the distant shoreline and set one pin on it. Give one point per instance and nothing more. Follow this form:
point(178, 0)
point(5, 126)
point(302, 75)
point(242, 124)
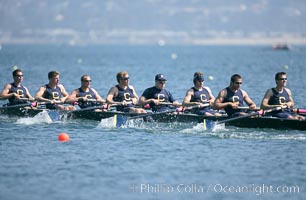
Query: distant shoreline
point(160, 42)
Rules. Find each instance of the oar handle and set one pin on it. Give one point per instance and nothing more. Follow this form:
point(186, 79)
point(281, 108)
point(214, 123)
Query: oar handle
point(299, 110)
point(150, 114)
point(196, 106)
point(26, 99)
point(92, 100)
point(88, 100)
point(37, 103)
point(247, 108)
point(169, 103)
point(260, 112)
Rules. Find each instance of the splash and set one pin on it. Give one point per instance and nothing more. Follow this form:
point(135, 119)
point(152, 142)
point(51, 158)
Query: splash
point(107, 123)
point(111, 123)
point(41, 118)
point(202, 128)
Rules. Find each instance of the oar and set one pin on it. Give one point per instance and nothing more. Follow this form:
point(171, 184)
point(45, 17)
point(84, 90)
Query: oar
point(210, 125)
point(42, 105)
point(104, 106)
point(16, 105)
point(300, 111)
point(167, 103)
point(260, 112)
point(247, 108)
point(54, 115)
point(120, 120)
point(25, 99)
point(196, 106)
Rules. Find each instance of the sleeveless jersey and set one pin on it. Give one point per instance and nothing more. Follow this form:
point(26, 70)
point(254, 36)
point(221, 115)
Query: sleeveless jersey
point(51, 94)
point(202, 97)
point(233, 97)
point(21, 91)
point(90, 95)
point(124, 95)
point(279, 98)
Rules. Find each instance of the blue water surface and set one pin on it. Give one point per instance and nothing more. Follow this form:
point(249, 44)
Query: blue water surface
point(151, 160)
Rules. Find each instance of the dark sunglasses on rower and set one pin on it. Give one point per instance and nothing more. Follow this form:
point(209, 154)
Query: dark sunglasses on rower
point(282, 79)
point(87, 81)
point(125, 78)
point(19, 76)
point(238, 83)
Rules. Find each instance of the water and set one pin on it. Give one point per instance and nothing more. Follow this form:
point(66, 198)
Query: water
point(151, 160)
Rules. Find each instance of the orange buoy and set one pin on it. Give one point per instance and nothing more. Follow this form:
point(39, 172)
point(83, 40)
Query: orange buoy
point(63, 137)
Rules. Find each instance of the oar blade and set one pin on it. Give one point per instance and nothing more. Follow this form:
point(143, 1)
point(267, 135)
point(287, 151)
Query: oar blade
point(54, 115)
point(209, 125)
point(119, 120)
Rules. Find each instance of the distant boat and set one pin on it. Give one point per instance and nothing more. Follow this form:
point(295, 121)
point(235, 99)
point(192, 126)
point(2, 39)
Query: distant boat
point(280, 46)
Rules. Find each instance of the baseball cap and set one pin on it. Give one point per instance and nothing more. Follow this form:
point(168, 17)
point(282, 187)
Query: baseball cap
point(160, 77)
point(198, 77)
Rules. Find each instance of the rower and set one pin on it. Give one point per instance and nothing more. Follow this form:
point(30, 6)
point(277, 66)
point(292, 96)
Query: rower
point(85, 96)
point(123, 95)
point(157, 96)
point(15, 92)
point(280, 96)
point(53, 93)
point(200, 97)
point(233, 97)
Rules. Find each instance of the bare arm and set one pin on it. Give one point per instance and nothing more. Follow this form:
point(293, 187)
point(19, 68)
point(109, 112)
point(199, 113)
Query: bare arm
point(212, 98)
point(64, 93)
point(290, 103)
point(39, 95)
point(98, 97)
point(5, 92)
point(111, 94)
point(135, 99)
point(265, 100)
point(143, 101)
point(73, 96)
point(219, 101)
point(248, 100)
point(188, 96)
point(29, 95)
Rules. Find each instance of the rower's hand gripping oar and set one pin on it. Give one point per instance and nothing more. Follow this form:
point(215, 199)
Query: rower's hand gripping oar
point(120, 120)
point(210, 125)
point(260, 112)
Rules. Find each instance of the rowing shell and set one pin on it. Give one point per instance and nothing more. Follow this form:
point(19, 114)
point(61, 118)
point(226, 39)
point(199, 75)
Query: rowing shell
point(269, 122)
point(26, 110)
point(208, 121)
point(20, 110)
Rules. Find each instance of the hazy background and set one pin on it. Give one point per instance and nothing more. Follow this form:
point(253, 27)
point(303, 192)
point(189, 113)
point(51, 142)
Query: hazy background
point(78, 22)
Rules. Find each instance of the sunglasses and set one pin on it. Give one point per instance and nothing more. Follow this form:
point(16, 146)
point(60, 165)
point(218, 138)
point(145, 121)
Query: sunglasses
point(282, 79)
point(19, 76)
point(87, 81)
point(125, 78)
point(238, 83)
point(162, 82)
